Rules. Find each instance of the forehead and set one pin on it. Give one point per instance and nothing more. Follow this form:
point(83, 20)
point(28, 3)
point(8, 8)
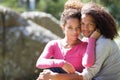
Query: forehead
point(73, 20)
point(87, 18)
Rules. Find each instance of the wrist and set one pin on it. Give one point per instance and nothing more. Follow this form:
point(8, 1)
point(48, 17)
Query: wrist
point(79, 74)
point(54, 76)
point(93, 37)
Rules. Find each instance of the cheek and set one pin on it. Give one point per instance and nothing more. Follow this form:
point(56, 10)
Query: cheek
point(92, 30)
point(79, 31)
point(67, 32)
point(82, 28)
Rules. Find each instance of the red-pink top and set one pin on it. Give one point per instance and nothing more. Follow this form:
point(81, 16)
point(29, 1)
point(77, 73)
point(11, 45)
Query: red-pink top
point(81, 55)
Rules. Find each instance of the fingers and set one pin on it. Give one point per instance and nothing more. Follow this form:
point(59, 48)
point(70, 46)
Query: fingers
point(96, 34)
point(68, 68)
point(98, 30)
point(46, 71)
point(40, 77)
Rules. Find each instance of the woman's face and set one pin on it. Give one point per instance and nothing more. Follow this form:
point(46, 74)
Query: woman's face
point(87, 25)
point(72, 29)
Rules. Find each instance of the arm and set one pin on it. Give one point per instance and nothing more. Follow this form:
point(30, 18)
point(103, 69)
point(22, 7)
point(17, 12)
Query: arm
point(47, 75)
point(89, 56)
point(102, 52)
point(44, 60)
point(48, 63)
point(73, 76)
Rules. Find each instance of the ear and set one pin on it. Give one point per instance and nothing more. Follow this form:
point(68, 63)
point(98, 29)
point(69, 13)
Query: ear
point(63, 28)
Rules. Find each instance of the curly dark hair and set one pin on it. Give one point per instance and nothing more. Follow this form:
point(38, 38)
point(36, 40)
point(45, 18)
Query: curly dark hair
point(72, 9)
point(70, 13)
point(104, 21)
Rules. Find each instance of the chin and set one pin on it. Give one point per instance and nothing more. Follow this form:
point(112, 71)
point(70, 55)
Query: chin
point(86, 35)
point(74, 39)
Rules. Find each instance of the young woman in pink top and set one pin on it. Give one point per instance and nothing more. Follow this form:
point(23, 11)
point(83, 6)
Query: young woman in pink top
point(69, 54)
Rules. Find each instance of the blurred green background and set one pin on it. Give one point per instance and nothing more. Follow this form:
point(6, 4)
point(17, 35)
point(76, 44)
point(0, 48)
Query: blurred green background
point(55, 7)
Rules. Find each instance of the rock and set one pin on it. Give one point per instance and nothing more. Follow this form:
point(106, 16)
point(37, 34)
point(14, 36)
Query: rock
point(23, 41)
point(22, 49)
point(46, 20)
point(10, 18)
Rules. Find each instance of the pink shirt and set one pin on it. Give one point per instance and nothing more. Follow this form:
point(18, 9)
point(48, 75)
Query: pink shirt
point(81, 55)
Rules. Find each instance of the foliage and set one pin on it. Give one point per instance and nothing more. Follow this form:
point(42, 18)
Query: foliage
point(55, 7)
point(12, 4)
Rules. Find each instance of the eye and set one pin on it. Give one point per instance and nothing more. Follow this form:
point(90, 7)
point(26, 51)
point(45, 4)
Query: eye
point(69, 27)
point(91, 24)
point(78, 27)
point(81, 23)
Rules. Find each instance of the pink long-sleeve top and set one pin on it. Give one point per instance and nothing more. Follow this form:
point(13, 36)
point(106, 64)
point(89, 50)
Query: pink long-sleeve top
point(81, 55)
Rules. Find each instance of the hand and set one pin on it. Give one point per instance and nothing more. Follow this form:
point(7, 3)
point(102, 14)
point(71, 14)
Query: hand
point(69, 68)
point(96, 34)
point(47, 75)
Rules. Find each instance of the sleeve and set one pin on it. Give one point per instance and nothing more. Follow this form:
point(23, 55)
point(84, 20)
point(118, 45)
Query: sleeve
point(102, 52)
point(45, 61)
point(89, 56)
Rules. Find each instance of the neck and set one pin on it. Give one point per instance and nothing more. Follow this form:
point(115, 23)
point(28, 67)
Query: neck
point(70, 43)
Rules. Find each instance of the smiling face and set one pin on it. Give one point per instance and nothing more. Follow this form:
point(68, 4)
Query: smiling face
point(72, 29)
point(87, 25)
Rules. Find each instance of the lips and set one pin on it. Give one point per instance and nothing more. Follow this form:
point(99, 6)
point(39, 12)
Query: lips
point(86, 33)
point(74, 36)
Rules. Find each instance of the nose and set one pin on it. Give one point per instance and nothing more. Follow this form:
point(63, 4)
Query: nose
point(84, 27)
point(74, 30)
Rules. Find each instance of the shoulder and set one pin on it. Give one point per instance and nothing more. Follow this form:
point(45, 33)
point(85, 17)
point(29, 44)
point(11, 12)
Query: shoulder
point(53, 42)
point(106, 44)
point(82, 45)
point(103, 45)
point(104, 41)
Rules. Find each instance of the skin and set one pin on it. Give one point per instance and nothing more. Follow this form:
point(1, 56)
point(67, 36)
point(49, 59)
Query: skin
point(72, 32)
point(87, 25)
point(88, 29)
point(49, 75)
